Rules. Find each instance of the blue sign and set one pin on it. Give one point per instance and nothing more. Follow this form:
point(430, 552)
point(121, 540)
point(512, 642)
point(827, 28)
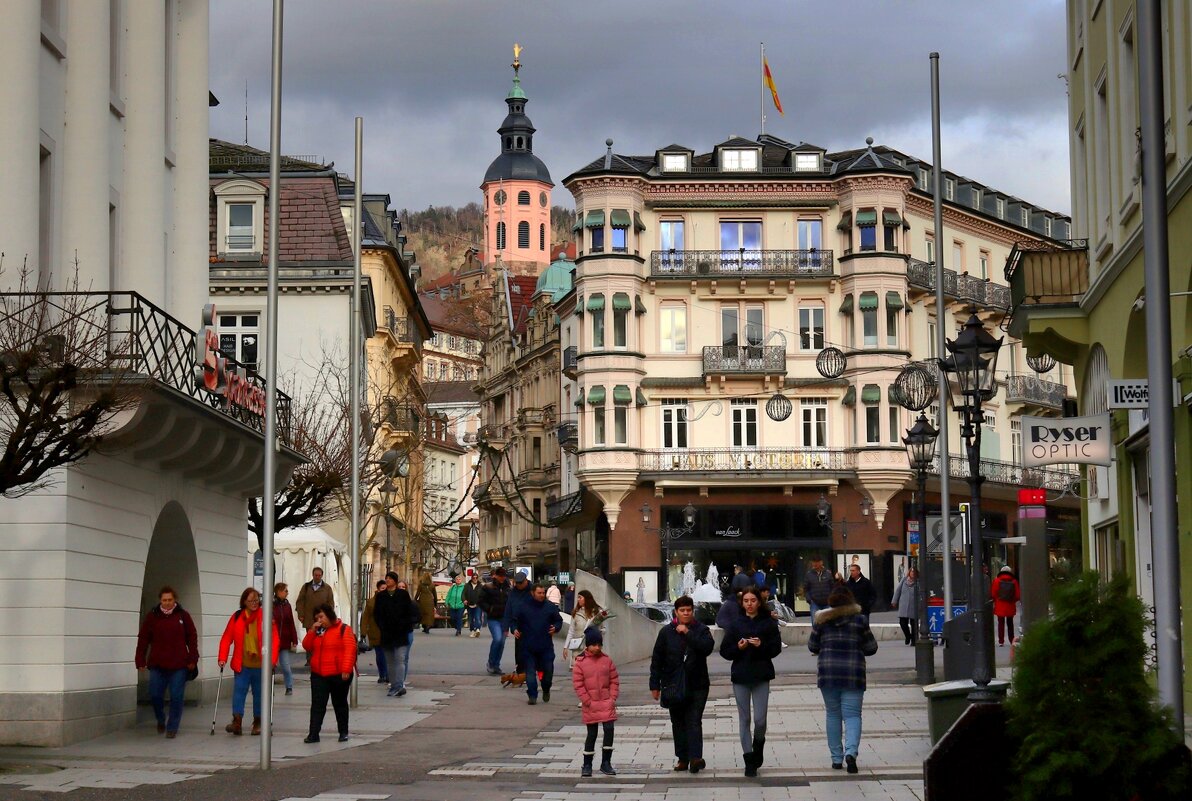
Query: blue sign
point(258, 563)
point(935, 618)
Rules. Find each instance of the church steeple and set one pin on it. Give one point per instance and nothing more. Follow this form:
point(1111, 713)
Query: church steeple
point(517, 132)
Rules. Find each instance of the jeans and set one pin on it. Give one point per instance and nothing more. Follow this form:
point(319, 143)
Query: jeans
point(687, 726)
point(474, 618)
point(457, 618)
point(175, 681)
point(320, 688)
point(283, 662)
point(497, 629)
point(910, 628)
point(1005, 628)
point(847, 704)
point(382, 672)
point(759, 694)
point(814, 608)
point(606, 743)
point(544, 661)
point(395, 657)
point(246, 678)
point(405, 661)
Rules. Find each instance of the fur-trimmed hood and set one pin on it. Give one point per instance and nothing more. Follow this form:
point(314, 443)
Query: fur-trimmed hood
point(836, 613)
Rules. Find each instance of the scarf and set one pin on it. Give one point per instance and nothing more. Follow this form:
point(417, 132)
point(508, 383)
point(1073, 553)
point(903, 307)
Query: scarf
point(164, 611)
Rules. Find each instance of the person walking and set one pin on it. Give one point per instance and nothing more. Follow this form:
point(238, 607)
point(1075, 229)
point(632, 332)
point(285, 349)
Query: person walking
point(455, 605)
point(168, 645)
point(287, 632)
point(906, 601)
point(332, 648)
point(313, 593)
point(841, 639)
point(368, 622)
point(424, 596)
point(1006, 594)
point(587, 613)
point(862, 589)
point(569, 600)
point(817, 585)
point(494, 599)
point(594, 677)
point(741, 579)
point(396, 616)
point(520, 593)
point(534, 625)
point(729, 610)
point(472, 604)
point(241, 641)
point(679, 666)
point(751, 642)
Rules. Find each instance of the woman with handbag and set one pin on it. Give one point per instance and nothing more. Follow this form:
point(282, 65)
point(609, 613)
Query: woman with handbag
point(751, 642)
point(679, 679)
point(168, 645)
point(587, 613)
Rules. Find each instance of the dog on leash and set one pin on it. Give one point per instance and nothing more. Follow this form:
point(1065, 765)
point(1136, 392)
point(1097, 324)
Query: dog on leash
point(513, 680)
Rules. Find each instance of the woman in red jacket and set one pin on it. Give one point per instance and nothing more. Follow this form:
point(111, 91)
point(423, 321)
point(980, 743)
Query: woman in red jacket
point(244, 632)
point(1006, 594)
point(287, 630)
point(169, 646)
point(332, 648)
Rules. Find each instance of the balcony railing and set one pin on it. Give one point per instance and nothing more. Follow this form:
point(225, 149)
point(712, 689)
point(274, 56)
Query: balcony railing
point(1048, 273)
point(530, 417)
point(741, 263)
point(765, 460)
point(570, 360)
point(744, 359)
point(1012, 474)
point(964, 287)
point(400, 416)
point(1036, 391)
point(135, 338)
point(568, 433)
point(402, 329)
point(559, 509)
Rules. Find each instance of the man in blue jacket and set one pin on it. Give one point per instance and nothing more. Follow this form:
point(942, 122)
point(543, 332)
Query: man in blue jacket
point(517, 596)
point(534, 623)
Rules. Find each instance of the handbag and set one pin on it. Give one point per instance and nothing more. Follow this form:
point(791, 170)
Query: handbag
point(575, 644)
point(674, 692)
point(192, 673)
point(363, 645)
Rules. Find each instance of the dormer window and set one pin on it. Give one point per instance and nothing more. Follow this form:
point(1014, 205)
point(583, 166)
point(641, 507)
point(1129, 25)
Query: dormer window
point(1001, 209)
point(949, 188)
point(738, 160)
point(1026, 218)
point(674, 162)
point(240, 220)
point(1047, 225)
point(922, 179)
point(807, 162)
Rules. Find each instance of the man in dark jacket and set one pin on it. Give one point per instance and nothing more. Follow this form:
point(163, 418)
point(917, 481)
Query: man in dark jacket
point(817, 585)
point(862, 590)
point(494, 599)
point(395, 615)
point(520, 593)
point(729, 611)
point(741, 579)
point(684, 645)
point(472, 592)
point(534, 624)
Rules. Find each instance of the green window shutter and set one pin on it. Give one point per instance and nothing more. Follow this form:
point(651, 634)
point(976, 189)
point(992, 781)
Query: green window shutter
point(579, 401)
point(595, 219)
point(638, 306)
point(596, 303)
point(890, 217)
point(596, 396)
point(893, 300)
point(846, 305)
point(621, 302)
point(850, 396)
point(621, 219)
point(866, 219)
point(621, 395)
point(637, 222)
point(846, 221)
point(641, 397)
point(868, 301)
point(871, 394)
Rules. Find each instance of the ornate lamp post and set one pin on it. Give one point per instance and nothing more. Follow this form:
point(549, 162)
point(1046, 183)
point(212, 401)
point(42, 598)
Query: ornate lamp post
point(972, 380)
point(666, 534)
point(823, 511)
point(920, 450)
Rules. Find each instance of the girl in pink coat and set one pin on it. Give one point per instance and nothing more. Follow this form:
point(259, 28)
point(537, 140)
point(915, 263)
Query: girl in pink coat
point(597, 685)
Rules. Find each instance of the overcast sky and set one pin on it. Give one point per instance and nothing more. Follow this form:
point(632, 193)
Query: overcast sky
point(430, 76)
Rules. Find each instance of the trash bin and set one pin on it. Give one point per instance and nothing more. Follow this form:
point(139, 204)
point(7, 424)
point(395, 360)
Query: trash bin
point(947, 700)
point(960, 646)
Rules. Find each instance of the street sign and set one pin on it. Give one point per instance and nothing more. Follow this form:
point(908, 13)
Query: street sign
point(1134, 393)
point(912, 538)
point(935, 618)
point(935, 533)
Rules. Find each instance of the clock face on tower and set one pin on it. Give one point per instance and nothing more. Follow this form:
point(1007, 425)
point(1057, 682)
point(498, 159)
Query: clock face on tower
point(542, 199)
point(500, 197)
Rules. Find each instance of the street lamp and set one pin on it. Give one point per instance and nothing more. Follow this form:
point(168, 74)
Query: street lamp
point(920, 450)
point(971, 373)
point(666, 534)
point(823, 511)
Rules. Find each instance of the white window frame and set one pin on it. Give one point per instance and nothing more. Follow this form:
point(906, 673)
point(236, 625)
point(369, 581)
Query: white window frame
point(668, 315)
point(929, 249)
point(813, 416)
point(813, 342)
point(739, 160)
point(239, 329)
point(675, 425)
point(674, 162)
point(895, 419)
point(983, 263)
point(234, 192)
point(949, 188)
point(808, 229)
point(743, 422)
point(1026, 217)
point(807, 162)
point(1001, 208)
point(1016, 441)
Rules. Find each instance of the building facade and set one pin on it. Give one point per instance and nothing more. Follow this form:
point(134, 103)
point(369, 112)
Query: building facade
point(1083, 303)
point(706, 286)
point(448, 503)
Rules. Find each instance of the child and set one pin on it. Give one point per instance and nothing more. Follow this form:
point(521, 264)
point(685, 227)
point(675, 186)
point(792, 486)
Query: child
point(597, 685)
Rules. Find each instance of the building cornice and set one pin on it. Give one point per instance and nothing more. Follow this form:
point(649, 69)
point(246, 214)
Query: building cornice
point(968, 222)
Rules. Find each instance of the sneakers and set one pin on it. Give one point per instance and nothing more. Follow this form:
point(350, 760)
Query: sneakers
point(697, 765)
point(400, 692)
point(289, 691)
point(492, 671)
point(546, 695)
point(851, 762)
point(392, 692)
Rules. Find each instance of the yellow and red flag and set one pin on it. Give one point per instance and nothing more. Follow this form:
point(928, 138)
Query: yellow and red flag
point(768, 79)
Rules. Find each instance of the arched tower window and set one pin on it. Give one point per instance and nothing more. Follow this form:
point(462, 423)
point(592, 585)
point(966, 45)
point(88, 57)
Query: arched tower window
point(542, 236)
point(523, 235)
point(508, 142)
point(500, 236)
point(523, 198)
point(519, 143)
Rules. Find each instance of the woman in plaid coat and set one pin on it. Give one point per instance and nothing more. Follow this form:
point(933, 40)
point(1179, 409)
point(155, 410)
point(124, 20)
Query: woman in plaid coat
point(842, 639)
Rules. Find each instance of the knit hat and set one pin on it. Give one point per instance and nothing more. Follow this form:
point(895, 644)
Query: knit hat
point(521, 576)
point(1005, 569)
point(593, 637)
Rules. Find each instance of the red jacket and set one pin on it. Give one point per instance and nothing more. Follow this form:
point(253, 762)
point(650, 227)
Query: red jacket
point(1004, 608)
point(597, 684)
point(283, 617)
point(333, 652)
point(168, 642)
point(234, 633)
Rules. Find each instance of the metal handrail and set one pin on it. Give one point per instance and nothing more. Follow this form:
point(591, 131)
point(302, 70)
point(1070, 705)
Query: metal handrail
point(767, 359)
point(997, 471)
point(1030, 389)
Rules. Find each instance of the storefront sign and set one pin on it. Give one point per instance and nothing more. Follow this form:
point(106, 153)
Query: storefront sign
point(212, 372)
point(1065, 440)
point(732, 532)
point(1134, 393)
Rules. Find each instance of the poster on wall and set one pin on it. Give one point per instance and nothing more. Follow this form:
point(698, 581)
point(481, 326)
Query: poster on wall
point(642, 586)
point(898, 567)
point(845, 560)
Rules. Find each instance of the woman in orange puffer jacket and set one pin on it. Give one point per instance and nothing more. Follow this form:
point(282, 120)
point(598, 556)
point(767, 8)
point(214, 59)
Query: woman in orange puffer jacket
point(243, 638)
point(332, 648)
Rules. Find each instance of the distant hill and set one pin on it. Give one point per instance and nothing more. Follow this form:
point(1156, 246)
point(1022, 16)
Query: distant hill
point(440, 235)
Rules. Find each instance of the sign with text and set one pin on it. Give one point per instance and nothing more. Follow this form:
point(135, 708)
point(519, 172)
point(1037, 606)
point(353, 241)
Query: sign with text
point(1066, 440)
point(1134, 393)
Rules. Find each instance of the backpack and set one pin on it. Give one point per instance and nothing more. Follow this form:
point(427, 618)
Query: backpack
point(1005, 590)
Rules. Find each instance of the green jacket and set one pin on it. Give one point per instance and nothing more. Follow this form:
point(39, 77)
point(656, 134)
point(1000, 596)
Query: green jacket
point(455, 597)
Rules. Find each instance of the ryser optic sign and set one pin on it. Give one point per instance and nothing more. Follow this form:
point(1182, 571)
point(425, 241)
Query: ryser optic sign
point(213, 374)
point(1065, 440)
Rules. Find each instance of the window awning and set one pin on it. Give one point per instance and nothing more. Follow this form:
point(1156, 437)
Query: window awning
point(596, 303)
point(868, 301)
point(865, 219)
point(579, 401)
point(621, 395)
point(846, 305)
point(637, 222)
point(871, 394)
point(579, 222)
point(621, 302)
point(850, 397)
point(621, 219)
point(641, 397)
point(595, 219)
point(890, 217)
point(596, 396)
point(638, 306)
point(893, 300)
point(846, 221)
point(579, 305)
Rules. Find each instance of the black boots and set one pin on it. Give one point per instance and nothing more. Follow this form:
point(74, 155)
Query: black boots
point(759, 750)
point(587, 769)
point(606, 764)
point(750, 764)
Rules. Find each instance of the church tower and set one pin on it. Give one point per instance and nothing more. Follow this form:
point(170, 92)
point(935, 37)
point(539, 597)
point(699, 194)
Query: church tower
point(517, 189)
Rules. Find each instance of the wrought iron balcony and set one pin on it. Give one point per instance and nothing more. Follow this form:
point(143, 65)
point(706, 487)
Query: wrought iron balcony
point(568, 433)
point(1035, 391)
point(1012, 474)
point(748, 460)
point(741, 263)
point(570, 360)
point(400, 416)
point(402, 329)
point(744, 359)
point(1053, 274)
point(963, 287)
point(559, 509)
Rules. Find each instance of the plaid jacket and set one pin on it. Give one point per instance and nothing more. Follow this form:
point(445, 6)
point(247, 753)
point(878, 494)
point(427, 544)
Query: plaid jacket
point(842, 639)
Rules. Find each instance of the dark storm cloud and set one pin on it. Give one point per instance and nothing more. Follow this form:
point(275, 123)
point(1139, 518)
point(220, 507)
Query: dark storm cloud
point(430, 77)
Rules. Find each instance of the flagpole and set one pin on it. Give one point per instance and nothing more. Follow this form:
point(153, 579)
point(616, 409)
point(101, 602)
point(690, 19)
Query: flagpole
point(762, 97)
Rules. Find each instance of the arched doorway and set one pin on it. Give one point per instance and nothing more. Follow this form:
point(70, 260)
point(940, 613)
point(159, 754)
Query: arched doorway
point(171, 560)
